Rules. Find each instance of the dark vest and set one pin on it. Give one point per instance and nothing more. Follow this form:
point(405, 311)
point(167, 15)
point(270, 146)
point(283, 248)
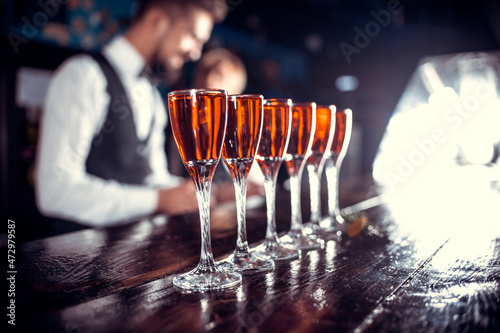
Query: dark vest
point(116, 153)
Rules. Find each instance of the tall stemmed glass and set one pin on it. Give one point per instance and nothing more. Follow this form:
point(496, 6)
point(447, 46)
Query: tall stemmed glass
point(199, 119)
point(270, 155)
point(343, 129)
point(301, 135)
point(244, 128)
point(322, 142)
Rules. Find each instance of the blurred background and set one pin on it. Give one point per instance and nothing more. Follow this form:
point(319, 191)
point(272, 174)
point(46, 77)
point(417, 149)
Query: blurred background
point(356, 54)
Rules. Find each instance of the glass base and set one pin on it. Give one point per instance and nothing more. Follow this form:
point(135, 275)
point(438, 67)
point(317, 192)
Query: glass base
point(276, 251)
point(302, 241)
point(204, 278)
point(335, 224)
point(246, 263)
point(317, 231)
point(337, 219)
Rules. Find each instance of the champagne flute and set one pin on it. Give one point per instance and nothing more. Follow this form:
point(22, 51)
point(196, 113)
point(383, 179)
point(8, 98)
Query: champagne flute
point(301, 139)
point(270, 154)
point(244, 128)
point(199, 119)
point(322, 142)
point(343, 129)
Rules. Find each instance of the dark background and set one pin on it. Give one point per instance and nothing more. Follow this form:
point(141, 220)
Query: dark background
point(291, 49)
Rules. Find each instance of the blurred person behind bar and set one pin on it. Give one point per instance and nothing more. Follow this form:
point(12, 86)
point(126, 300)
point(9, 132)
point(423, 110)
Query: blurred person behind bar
point(101, 154)
point(217, 69)
point(222, 69)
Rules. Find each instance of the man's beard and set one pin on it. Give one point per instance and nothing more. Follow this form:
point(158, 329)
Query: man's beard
point(163, 74)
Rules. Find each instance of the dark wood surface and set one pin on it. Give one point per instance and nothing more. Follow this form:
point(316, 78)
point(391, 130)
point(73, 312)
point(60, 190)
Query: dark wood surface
point(418, 266)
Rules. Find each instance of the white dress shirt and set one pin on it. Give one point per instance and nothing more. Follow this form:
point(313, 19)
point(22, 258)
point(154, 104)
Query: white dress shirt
point(75, 110)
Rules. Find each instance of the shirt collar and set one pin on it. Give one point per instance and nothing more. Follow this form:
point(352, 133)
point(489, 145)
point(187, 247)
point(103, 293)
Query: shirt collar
point(124, 57)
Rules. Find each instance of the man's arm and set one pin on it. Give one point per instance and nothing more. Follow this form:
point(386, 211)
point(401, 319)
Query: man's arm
point(176, 195)
point(75, 108)
point(160, 176)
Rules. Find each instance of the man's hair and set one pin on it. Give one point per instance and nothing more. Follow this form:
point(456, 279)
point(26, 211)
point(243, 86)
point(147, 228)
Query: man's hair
point(217, 8)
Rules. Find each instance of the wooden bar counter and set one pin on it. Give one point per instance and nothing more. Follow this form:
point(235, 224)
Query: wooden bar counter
point(417, 266)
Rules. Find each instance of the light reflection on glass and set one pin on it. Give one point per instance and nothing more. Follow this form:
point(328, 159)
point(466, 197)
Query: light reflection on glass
point(295, 268)
point(240, 294)
point(331, 251)
point(204, 307)
point(270, 282)
point(313, 262)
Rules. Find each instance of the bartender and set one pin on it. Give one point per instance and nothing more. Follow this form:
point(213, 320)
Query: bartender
point(101, 159)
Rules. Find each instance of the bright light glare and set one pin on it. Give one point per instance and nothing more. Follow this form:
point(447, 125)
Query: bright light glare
point(436, 132)
point(346, 83)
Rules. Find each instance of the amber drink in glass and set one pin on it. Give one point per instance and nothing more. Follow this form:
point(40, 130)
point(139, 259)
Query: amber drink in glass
point(199, 119)
point(244, 128)
point(320, 148)
point(270, 155)
point(301, 139)
point(343, 129)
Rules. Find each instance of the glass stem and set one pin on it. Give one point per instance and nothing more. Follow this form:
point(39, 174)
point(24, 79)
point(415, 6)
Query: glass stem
point(270, 188)
point(203, 184)
point(240, 187)
point(337, 177)
point(315, 193)
point(332, 178)
point(296, 202)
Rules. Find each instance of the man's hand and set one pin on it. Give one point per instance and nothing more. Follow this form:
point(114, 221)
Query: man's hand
point(224, 192)
point(178, 200)
point(255, 188)
point(182, 199)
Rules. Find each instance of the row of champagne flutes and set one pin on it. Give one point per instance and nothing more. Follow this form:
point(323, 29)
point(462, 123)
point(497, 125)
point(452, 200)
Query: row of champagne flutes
point(208, 124)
